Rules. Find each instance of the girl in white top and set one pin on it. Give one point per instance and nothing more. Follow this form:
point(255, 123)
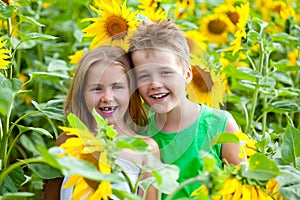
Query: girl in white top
point(104, 82)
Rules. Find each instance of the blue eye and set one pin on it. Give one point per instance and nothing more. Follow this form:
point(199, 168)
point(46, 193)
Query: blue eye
point(96, 89)
point(166, 73)
point(118, 87)
point(143, 76)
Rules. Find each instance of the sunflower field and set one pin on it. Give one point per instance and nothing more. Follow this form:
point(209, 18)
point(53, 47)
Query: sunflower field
point(245, 57)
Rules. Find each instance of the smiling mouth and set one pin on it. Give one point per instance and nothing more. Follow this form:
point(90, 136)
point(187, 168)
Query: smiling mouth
point(159, 96)
point(108, 109)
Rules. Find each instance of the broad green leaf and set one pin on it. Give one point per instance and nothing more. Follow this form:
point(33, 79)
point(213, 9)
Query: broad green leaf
point(284, 37)
point(34, 36)
point(133, 143)
point(285, 106)
point(44, 171)
point(13, 181)
point(223, 138)
point(50, 155)
point(28, 144)
point(47, 76)
point(283, 78)
point(38, 130)
point(9, 87)
point(289, 92)
point(71, 165)
point(58, 65)
point(238, 74)
point(6, 11)
point(76, 122)
point(261, 168)
point(146, 183)
point(284, 68)
point(290, 149)
point(250, 72)
point(289, 182)
point(52, 109)
point(166, 175)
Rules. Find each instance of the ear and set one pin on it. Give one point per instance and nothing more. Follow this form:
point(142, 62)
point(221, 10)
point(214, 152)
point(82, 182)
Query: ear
point(188, 75)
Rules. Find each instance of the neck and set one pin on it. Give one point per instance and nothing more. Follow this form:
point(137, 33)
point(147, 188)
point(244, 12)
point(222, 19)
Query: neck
point(178, 119)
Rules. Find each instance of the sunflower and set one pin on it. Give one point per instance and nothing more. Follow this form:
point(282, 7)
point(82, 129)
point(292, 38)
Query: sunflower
point(184, 8)
point(216, 28)
point(90, 189)
point(3, 55)
point(272, 188)
point(293, 56)
point(74, 59)
point(206, 87)
point(196, 41)
point(84, 146)
point(248, 145)
point(113, 24)
point(240, 33)
point(148, 4)
point(154, 14)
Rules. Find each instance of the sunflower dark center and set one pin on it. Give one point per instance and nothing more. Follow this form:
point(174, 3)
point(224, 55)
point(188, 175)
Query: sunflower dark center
point(234, 17)
point(116, 27)
point(6, 1)
point(202, 79)
point(216, 26)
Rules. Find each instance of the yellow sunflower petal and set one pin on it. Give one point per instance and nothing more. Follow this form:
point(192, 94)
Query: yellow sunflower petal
point(104, 163)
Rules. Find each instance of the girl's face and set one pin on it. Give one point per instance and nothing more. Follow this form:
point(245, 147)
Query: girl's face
point(107, 90)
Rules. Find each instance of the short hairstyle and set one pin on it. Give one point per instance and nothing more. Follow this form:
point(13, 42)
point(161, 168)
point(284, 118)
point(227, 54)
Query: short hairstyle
point(75, 101)
point(161, 35)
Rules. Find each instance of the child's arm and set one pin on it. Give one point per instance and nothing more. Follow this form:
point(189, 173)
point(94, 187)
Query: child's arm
point(152, 193)
point(231, 150)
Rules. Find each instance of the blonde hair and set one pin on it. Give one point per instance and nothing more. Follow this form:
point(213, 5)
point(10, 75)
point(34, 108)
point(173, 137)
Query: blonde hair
point(163, 35)
point(75, 101)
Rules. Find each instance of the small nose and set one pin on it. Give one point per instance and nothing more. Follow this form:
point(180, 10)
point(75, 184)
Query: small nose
point(155, 83)
point(107, 96)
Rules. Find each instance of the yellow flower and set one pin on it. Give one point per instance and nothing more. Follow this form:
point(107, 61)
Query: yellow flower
point(3, 55)
point(113, 24)
point(184, 8)
point(204, 190)
point(206, 87)
point(293, 56)
point(84, 142)
point(240, 34)
point(247, 146)
point(216, 28)
point(154, 15)
point(74, 59)
point(148, 4)
point(196, 41)
point(272, 187)
point(234, 189)
point(88, 189)
point(85, 146)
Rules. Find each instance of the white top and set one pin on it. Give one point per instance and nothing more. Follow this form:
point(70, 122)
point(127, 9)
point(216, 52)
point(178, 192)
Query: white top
point(128, 167)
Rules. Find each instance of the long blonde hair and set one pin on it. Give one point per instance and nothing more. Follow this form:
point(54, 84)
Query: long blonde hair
point(75, 103)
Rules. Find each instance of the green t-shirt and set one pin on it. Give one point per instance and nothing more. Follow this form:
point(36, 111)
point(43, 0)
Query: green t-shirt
point(183, 148)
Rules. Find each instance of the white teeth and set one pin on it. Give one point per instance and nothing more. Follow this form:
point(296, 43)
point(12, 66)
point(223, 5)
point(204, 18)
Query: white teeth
point(158, 96)
point(107, 109)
